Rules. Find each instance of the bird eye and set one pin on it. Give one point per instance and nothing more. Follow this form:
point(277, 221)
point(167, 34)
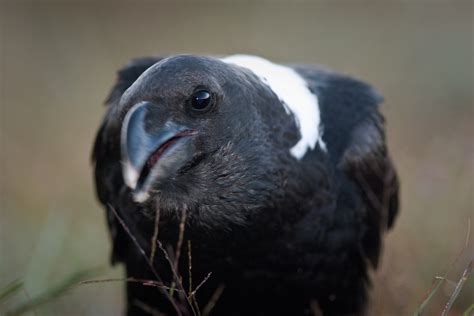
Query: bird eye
point(201, 100)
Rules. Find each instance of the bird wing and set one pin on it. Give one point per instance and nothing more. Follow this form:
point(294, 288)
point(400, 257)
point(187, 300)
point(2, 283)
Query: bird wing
point(368, 164)
point(104, 150)
point(354, 133)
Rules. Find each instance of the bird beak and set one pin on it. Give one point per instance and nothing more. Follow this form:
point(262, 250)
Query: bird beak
point(150, 154)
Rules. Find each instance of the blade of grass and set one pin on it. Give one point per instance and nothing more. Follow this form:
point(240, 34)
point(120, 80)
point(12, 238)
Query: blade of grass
point(52, 293)
point(468, 311)
point(457, 290)
point(439, 281)
point(11, 289)
point(212, 303)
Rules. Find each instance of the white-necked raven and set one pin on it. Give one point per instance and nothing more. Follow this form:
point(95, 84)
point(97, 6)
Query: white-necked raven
point(274, 178)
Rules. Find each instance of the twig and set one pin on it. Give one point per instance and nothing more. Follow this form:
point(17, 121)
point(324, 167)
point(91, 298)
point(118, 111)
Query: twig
point(155, 234)
point(180, 238)
point(175, 276)
point(190, 268)
point(131, 280)
point(193, 293)
point(150, 264)
point(190, 279)
point(168, 259)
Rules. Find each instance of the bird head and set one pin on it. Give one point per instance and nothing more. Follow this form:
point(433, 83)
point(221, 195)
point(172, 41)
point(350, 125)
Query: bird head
point(198, 130)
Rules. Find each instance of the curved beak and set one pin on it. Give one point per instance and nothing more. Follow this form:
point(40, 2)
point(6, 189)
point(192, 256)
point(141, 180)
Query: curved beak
point(151, 152)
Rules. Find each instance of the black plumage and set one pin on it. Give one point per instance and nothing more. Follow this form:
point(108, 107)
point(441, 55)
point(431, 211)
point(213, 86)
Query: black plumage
point(281, 235)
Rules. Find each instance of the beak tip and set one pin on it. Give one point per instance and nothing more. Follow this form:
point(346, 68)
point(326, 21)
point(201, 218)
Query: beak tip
point(130, 176)
point(141, 197)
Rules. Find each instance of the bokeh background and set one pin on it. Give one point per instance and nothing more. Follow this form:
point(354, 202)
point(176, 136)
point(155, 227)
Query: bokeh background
point(59, 58)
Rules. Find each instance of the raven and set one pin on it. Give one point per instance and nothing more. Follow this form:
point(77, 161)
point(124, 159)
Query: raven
point(238, 186)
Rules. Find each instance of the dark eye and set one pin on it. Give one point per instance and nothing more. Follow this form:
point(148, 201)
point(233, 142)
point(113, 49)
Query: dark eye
point(201, 100)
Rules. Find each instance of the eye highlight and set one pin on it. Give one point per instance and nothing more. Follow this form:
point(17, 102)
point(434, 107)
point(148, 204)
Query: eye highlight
point(201, 100)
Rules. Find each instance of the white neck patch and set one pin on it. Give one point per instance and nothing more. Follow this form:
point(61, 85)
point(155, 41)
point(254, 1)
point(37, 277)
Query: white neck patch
point(293, 92)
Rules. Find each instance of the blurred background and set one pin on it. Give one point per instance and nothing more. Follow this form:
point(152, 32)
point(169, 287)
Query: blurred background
point(58, 61)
